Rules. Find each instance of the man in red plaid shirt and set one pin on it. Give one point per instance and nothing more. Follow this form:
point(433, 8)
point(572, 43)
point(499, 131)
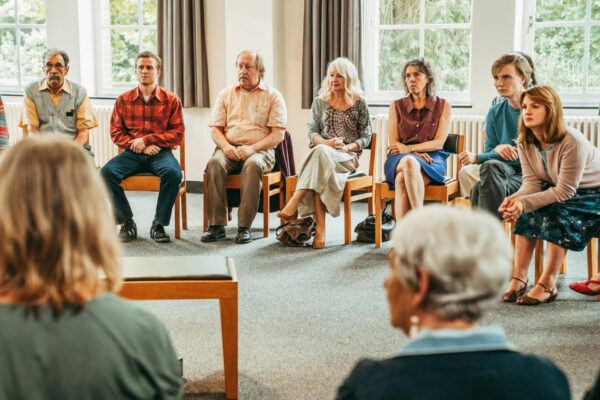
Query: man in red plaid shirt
point(147, 123)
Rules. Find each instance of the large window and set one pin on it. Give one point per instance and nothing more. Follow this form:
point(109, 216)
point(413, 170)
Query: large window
point(22, 41)
point(399, 30)
point(126, 28)
point(564, 37)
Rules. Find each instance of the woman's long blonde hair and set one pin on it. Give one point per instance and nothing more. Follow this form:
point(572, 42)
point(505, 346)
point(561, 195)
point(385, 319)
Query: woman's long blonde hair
point(56, 229)
point(353, 89)
point(554, 126)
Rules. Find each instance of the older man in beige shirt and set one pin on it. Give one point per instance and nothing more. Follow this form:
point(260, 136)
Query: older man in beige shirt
point(248, 121)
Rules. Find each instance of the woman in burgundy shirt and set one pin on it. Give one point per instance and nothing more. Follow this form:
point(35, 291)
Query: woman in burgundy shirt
point(418, 127)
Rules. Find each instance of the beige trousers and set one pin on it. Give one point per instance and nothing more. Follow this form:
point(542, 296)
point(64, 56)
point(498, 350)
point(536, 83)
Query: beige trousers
point(467, 177)
point(251, 170)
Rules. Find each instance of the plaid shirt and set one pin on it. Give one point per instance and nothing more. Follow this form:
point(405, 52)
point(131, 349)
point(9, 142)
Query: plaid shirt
point(3, 126)
point(159, 120)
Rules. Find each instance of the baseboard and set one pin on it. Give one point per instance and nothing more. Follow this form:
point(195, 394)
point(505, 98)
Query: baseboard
point(194, 186)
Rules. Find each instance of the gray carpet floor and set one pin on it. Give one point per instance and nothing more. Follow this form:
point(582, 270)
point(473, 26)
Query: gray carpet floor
point(306, 316)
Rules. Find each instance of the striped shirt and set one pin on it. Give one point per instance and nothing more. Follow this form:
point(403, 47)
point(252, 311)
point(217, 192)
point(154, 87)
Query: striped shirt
point(159, 120)
point(248, 116)
point(3, 126)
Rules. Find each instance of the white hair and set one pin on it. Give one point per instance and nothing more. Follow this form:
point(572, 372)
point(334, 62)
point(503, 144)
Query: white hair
point(352, 84)
point(466, 254)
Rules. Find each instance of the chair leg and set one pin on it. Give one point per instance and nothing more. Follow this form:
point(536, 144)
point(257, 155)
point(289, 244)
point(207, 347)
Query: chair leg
point(177, 217)
point(347, 216)
point(539, 259)
point(372, 200)
point(377, 201)
point(184, 210)
point(204, 188)
point(266, 207)
point(229, 334)
point(563, 267)
point(591, 257)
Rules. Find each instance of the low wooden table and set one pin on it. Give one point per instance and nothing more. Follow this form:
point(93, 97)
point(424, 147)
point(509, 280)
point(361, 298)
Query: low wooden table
point(191, 277)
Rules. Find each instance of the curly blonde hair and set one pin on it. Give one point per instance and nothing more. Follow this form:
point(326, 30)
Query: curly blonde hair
point(56, 226)
point(352, 84)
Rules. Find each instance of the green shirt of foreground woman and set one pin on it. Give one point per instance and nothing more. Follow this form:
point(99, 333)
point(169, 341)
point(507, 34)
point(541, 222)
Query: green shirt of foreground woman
point(65, 334)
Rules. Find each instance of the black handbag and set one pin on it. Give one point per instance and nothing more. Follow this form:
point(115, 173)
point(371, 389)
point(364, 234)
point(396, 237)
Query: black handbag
point(366, 229)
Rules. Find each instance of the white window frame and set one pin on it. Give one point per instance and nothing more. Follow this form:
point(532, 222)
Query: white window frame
point(17, 26)
point(99, 27)
point(371, 54)
point(527, 42)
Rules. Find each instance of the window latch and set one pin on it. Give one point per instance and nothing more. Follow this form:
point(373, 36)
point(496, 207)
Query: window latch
point(530, 24)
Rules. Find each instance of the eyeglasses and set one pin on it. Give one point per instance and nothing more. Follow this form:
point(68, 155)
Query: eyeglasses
point(50, 66)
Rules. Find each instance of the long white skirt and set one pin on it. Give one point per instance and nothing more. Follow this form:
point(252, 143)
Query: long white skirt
point(325, 171)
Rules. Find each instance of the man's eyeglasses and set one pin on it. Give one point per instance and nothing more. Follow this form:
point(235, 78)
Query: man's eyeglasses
point(50, 66)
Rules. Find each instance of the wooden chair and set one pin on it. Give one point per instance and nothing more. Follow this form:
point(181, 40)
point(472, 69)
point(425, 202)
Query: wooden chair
point(538, 260)
point(147, 181)
point(357, 181)
point(191, 277)
point(593, 257)
point(445, 192)
point(272, 184)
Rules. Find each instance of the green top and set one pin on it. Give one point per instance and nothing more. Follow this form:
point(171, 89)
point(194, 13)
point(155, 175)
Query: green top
point(110, 349)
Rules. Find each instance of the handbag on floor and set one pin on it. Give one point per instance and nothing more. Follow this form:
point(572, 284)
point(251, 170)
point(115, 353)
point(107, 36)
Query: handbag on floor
point(296, 233)
point(366, 229)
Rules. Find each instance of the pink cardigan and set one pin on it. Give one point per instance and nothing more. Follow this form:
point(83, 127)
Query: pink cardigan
point(573, 163)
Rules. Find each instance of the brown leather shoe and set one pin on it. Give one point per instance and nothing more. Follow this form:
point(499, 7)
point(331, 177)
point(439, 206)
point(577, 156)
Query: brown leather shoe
point(530, 301)
point(511, 296)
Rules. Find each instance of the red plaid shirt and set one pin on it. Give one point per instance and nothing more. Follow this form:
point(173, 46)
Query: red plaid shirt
point(159, 120)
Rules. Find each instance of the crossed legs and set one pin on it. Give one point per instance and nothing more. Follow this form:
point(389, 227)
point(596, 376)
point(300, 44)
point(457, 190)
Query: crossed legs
point(410, 185)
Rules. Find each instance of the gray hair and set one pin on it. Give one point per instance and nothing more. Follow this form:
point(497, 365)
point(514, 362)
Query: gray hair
point(54, 52)
point(258, 60)
point(465, 253)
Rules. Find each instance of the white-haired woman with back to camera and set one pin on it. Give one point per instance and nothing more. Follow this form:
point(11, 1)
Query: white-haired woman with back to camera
point(441, 281)
point(65, 334)
point(338, 128)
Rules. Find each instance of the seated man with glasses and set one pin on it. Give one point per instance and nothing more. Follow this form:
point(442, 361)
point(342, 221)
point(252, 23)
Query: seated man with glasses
point(57, 105)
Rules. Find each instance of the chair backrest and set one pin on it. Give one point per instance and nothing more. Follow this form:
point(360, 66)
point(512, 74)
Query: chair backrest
point(455, 144)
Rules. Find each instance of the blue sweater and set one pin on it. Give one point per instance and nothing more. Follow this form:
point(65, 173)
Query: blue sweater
point(501, 124)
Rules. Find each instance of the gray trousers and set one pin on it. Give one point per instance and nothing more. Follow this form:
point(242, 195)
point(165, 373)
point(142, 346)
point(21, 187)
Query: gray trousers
point(498, 180)
point(251, 170)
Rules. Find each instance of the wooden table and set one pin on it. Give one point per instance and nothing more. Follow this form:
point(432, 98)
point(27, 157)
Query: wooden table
point(191, 277)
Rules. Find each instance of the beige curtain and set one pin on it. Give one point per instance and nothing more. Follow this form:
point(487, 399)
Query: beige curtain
point(332, 28)
point(182, 47)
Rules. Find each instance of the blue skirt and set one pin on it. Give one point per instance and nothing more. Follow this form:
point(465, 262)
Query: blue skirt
point(435, 170)
point(569, 224)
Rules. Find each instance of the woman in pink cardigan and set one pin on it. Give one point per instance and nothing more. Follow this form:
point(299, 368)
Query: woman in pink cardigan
point(559, 200)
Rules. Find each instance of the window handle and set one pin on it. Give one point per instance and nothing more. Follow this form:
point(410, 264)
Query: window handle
point(530, 24)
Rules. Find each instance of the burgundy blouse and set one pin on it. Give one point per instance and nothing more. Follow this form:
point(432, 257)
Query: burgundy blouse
point(418, 126)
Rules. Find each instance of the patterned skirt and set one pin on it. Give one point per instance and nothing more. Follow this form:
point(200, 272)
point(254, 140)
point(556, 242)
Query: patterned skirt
point(435, 170)
point(569, 224)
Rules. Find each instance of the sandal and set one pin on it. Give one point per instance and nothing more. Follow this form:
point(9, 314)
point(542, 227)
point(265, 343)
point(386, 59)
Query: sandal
point(531, 301)
point(583, 287)
point(511, 296)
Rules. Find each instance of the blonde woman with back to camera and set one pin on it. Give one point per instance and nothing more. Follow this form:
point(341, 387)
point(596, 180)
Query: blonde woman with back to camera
point(440, 283)
point(65, 335)
point(338, 128)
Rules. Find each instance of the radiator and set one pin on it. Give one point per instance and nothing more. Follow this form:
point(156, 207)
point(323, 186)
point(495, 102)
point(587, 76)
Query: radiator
point(102, 146)
point(472, 127)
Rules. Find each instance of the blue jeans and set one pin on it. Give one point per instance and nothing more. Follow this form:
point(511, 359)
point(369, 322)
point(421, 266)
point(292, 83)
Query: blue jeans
point(128, 163)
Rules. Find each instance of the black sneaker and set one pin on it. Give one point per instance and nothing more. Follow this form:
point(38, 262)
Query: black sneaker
point(213, 233)
point(128, 231)
point(157, 232)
